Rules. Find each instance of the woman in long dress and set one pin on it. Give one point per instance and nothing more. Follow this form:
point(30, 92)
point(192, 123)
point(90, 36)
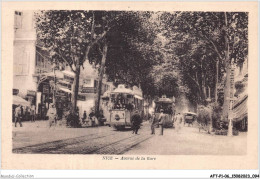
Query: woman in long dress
point(52, 114)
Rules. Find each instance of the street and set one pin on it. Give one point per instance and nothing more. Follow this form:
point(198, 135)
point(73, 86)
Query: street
point(37, 138)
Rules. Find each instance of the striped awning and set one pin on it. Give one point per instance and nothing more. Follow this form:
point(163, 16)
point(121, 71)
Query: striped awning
point(240, 110)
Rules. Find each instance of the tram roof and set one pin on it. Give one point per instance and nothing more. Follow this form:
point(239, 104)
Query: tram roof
point(123, 90)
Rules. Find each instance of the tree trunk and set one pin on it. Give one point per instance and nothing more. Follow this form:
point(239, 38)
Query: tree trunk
point(226, 92)
point(216, 85)
point(227, 67)
point(75, 88)
point(203, 89)
point(101, 74)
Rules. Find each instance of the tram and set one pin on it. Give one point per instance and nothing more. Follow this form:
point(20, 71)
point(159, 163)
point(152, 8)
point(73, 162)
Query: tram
point(168, 106)
point(123, 103)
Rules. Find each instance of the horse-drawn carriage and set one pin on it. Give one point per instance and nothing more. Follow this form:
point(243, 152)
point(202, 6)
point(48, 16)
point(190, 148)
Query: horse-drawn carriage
point(189, 118)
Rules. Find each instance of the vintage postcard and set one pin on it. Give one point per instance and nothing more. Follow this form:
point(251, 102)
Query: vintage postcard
point(129, 85)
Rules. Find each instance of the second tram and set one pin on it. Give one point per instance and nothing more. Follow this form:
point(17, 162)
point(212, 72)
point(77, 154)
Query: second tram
point(168, 106)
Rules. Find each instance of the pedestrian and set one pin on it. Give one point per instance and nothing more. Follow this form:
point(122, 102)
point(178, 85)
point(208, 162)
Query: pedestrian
point(18, 116)
point(161, 120)
point(178, 122)
point(101, 118)
point(32, 113)
point(91, 117)
point(84, 117)
point(52, 114)
point(153, 123)
point(22, 113)
point(136, 122)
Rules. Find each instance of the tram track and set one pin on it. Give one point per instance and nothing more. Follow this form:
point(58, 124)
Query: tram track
point(123, 146)
point(102, 142)
point(56, 145)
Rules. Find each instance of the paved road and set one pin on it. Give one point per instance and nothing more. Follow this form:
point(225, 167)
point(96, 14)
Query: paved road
point(35, 138)
point(104, 140)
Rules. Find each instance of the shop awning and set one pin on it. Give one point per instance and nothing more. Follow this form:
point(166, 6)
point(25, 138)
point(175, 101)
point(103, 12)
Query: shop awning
point(65, 90)
point(17, 100)
point(57, 73)
point(240, 109)
point(138, 97)
point(69, 73)
point(64, 82)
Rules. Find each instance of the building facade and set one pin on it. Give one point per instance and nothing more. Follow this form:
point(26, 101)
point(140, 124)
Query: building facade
point(36, 79)
point(24, 55)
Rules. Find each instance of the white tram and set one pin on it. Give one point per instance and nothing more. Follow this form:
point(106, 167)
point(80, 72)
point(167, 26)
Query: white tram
point(123, 102)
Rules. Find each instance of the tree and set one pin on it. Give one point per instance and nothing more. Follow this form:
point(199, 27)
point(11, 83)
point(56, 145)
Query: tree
point(69, 36)
point(132, 52)
point(129, 55)
point(208, 38)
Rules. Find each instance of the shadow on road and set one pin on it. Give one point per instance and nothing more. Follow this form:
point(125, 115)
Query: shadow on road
point(122, 130)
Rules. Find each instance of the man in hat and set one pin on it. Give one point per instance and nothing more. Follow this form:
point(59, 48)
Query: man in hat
point(18, 116)
point(161, 120)
point(136, 121)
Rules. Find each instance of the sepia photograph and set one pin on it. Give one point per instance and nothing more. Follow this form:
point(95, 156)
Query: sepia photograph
point(130, 86)
point(130, 82)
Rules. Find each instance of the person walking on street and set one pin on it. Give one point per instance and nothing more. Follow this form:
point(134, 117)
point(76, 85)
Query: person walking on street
point(161, 121)
point(91, 117)
point(18, 116)
point(22, 113)
point(32, 113)
point(52, 114)
point(178, 122)
point(84, 118)
point(136, 121)
point(153, 123)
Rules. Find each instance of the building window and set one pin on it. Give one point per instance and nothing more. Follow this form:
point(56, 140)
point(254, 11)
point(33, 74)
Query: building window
point(18, 20)
point(22, 59)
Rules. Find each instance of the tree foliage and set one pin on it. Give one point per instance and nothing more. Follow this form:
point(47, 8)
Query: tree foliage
point(199, 40)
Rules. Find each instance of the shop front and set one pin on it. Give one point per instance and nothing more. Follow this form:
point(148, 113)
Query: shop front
point(44, 98)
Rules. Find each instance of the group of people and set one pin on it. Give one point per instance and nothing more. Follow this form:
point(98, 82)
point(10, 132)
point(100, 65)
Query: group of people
point(161, 120)
point(178, 119)
point(136, 122)
point(93, 118)
point(120, 105)
point(21, 113)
